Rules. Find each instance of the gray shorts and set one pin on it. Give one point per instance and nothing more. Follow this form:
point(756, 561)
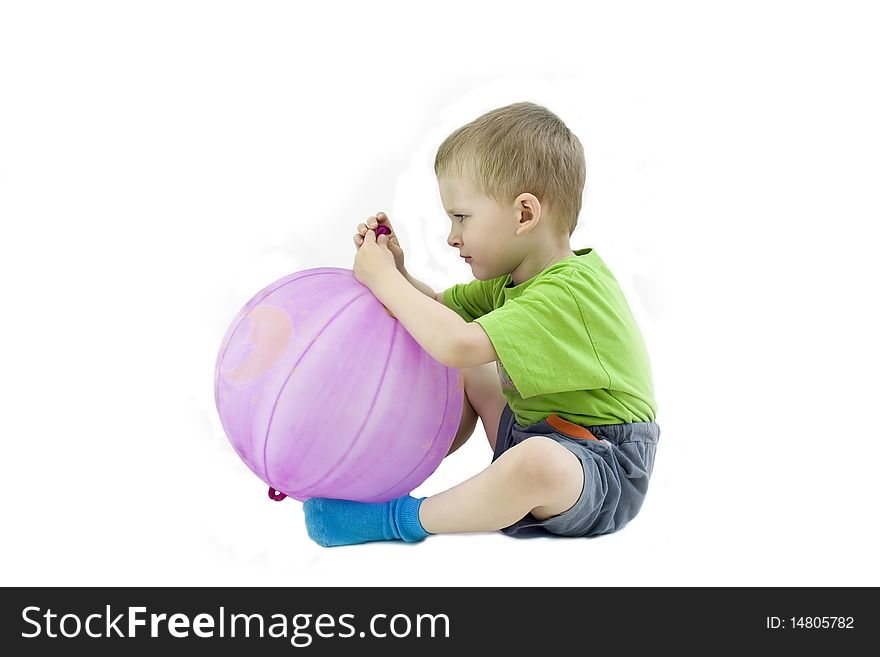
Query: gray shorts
point(617, 461)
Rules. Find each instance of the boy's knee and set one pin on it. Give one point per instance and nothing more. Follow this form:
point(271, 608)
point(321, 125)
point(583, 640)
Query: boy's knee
point(483, 388)
point(541, 463)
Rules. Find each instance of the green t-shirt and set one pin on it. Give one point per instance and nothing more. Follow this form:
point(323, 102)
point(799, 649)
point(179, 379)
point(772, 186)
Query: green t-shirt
point(567, 343)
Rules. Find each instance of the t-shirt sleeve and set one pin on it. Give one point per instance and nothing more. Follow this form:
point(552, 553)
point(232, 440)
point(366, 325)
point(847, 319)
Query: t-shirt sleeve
point(471, 300)
point(544, 341)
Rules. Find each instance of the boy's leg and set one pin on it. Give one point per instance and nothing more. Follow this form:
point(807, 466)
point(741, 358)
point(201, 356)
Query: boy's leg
point(482, 398)
point(538, 476)
point(467, 424)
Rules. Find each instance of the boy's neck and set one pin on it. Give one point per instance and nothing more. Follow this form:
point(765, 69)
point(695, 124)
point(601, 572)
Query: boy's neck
point(561, 253)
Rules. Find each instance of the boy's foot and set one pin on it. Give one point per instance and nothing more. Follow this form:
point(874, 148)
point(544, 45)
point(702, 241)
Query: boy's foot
point(332, 522)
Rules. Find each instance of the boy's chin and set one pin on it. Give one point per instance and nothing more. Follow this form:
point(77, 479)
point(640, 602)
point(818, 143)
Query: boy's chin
point(484, 275)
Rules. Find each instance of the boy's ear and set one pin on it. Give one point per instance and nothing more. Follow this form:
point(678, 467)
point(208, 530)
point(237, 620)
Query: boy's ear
point(528, 212)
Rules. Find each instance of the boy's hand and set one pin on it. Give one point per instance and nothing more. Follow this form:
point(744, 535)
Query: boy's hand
point(373, 221)
point(373, 260)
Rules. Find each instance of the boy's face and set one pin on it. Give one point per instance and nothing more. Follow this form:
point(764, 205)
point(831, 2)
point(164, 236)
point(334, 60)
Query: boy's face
point(481, 229)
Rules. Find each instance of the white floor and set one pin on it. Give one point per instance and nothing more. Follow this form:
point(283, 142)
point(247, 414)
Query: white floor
point(728, 507)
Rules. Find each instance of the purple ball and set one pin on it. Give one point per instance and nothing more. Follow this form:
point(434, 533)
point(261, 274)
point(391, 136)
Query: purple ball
point(323, 393)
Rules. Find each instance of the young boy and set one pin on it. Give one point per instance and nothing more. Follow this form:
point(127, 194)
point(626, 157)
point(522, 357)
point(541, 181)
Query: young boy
point(570, 412)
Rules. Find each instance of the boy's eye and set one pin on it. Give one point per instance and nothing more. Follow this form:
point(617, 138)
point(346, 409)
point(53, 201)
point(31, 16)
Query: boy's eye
point(460, 215)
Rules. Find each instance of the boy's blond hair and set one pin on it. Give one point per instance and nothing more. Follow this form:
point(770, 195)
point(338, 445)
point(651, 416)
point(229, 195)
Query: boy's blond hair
point(519, 148)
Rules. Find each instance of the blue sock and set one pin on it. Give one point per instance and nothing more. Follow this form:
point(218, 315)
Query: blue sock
point(342, 522)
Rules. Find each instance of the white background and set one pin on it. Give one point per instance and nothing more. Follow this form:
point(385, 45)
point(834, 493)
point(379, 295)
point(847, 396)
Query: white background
point(161, 162)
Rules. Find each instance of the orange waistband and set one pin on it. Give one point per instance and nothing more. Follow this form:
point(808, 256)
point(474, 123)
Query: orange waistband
point(570, 428)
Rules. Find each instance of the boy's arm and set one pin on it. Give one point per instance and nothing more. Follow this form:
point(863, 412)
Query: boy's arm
point(424, 289)
point(440, 331)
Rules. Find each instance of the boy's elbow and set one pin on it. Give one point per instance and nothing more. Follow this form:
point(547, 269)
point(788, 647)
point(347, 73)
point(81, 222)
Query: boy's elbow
point(455, 357)
point(471, 348)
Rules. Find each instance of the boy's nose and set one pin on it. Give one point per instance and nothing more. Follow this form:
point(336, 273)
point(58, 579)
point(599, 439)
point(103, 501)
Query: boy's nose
point(453, 241)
